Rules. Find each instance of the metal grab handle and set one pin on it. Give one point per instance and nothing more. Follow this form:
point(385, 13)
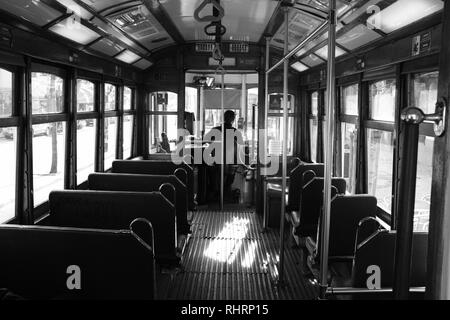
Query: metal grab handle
point(209, 18)
point(217, 54)
point(223, 29)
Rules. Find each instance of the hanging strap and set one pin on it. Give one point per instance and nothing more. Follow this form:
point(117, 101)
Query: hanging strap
point(209, 18)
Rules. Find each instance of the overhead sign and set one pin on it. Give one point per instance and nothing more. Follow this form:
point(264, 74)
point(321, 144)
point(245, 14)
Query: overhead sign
point(421, 43)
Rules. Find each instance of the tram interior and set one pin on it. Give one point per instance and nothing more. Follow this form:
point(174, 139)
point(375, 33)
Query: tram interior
point(106, 110)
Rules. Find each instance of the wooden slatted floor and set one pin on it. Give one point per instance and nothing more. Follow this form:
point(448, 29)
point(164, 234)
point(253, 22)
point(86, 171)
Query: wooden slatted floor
point(229, 258)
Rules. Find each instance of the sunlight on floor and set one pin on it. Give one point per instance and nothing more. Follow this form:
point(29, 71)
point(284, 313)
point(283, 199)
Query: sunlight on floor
point(226, 247)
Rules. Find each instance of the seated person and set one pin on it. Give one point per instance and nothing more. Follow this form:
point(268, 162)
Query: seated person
point(164, 146)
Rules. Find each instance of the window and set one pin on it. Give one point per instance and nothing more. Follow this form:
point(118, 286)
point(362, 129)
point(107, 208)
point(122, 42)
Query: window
point(380, 148)
point(85, 96)
point(47, 93)
point(163, 119)
point(382, 96)
point(275, 125)
point(424, 96)
point(127, 136)
point(315, 103)
point(349, 152)
point(86, 146)
point(164, 101)
point(350, 100)
point(160, 124)
point(48, 159)
point(275, 136)
point(213, 118)
point(110, 97)
point(349, 134)
point(314, 129)
point(425, 87)
point(110, 141)
point(314, 124)
point(6, 93)
point(8, 143)
point(191, 105)
point(423, 183)
point(127, 96)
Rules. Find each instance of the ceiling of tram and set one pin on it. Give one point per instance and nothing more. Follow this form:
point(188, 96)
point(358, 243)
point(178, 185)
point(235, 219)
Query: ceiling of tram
point(132, 30)
point(245, 20)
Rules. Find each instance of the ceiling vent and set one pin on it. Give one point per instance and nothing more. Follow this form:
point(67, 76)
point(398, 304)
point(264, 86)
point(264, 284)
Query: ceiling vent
point(136, 22)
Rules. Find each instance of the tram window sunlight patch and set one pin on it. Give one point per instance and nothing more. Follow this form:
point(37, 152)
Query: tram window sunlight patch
point(228, 242)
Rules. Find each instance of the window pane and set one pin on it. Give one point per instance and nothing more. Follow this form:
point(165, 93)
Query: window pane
point(380, 161)
point(127, 136)
point(349, 151)
point(425, 91)
point(164, 101)
point(423, 183)
point(110, 97)
point(8, 143)
point(276, 104)
point(382, 100)
point(6, 98)
point(163, 124)
point(315, 103)
point(47, 93)
point(49, 147)
point(127, 96)
point(314, 127)
point(275, 135)
point(85, 96)
point(110, 141)
point(191, 100)
point(86, 146)
point(350, 100)
point(213, 118)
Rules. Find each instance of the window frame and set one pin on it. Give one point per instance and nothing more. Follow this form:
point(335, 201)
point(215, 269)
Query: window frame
point(42, 209)
point(318, 118)
point(149, 113)
point(347, 119)
point(291, 115)
point(90, 115)
point(125, 113)
point(14, 121)
point(425, 128)
point(368, 123)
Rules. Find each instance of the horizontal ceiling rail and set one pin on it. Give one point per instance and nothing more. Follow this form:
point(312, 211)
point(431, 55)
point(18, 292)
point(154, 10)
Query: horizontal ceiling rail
point(299, 46)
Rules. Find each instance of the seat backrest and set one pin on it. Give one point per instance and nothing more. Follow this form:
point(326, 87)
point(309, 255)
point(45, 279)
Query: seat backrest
point(346, 213)
point(157, 167)
point(296, 183)
point(36, 261)
point(311, 204)
point(115, 210)
point(144, 183)
point(292, 163)
point(379, 250)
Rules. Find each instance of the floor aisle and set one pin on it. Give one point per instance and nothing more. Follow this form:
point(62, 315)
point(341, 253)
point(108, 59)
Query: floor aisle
point(229, 258)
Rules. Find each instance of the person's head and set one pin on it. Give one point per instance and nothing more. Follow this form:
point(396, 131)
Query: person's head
point(163, 136)
point(229, 116)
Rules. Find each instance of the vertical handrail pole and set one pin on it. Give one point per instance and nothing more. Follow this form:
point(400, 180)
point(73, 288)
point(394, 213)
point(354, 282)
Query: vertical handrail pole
point(331, 69)
point(285, 136)
point(406, 200)
point(222, 167)
point(266, 116)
